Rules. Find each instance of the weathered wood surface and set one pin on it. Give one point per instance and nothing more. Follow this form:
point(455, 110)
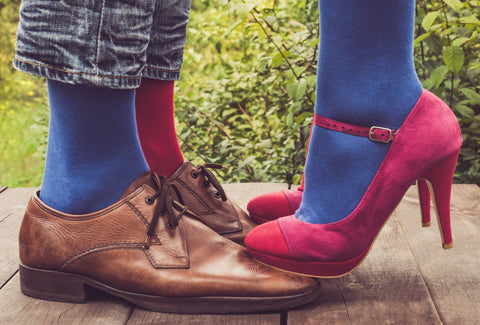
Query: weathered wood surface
point(12, 206)
point(406, 279)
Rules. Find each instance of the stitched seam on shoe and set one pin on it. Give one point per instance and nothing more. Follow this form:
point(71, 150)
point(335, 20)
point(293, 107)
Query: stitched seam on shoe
point(178, 172)
point(284, 238)
point(155, 240)
point(144, 220)
point(99, 248)
point(210, 211)
point(138, 213)
point(154, 262)
point(288, 200)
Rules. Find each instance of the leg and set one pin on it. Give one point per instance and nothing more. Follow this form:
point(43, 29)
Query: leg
point(366, 77)
point(145, 246)
point(154, 99)
point(92, 141)
point(356, 173)
point(156, 125)
point(92, 146)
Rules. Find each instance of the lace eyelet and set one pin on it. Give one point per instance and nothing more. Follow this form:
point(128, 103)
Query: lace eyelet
point(171, 227)
point(217, 195)
point(194, 174)
point(149, 200)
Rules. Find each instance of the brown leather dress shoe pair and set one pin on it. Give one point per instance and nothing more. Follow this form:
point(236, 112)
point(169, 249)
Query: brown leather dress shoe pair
point(152, 251)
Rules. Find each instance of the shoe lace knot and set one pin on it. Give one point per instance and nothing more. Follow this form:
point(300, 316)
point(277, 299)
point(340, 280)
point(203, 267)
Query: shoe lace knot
point(164, 205)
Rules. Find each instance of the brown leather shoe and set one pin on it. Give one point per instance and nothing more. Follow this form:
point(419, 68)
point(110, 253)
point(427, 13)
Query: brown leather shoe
point(150, 251)
point(203, 194)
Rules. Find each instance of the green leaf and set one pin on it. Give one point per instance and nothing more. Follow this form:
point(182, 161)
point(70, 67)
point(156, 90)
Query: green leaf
point(277, 60)
point(429, 19)
point(454, 58)
point(438, 76)
point(470, 20)
point(233, 27)
point(297, 89)
point(460, 41)
point(311, 80)
point(295, 107)
point(246, 162)
point(470, 94)
point(270, 19)
point(265, 144)
point(289, 120)
point(454, 4)
point(434, 43)
point(421, 38)
point(302, 117)
point(464, 111)
point(302, 88)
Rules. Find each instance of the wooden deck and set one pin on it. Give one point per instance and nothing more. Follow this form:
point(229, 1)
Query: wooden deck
point(406, 279)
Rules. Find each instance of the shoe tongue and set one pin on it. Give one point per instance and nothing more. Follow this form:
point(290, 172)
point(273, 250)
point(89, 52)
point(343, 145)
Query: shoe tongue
point(145, 178)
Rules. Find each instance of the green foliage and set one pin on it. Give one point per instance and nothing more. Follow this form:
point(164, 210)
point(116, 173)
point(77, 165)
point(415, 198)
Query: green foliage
point(447, 55)
point(247, 92)
point(23, 111)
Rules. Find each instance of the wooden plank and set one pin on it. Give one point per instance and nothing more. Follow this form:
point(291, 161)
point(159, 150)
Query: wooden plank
point(12, 207)
point(140, 317)
point(452, 276)
point(16, 308)
point(242, 193)
point(386, 289)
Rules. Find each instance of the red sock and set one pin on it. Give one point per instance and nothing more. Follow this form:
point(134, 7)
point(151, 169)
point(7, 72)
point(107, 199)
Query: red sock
point(156, 126)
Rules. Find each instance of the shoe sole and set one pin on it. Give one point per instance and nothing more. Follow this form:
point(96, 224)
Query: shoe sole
point(66, 287)
point(322, 270)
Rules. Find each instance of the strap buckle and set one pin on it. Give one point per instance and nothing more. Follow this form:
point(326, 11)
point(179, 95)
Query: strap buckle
point(380, 134)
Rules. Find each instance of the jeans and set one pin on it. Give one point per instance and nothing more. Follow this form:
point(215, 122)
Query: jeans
point(105, 43)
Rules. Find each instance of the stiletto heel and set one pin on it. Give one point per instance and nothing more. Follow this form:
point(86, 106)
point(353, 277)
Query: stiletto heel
point(424, 148)
point(424, 198)
point(440, 183)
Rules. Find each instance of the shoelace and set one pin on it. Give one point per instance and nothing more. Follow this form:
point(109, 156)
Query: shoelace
point(164, 205)
point(210, 178)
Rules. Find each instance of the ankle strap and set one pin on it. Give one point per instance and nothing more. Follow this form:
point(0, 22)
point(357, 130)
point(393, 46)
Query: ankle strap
point(374, 133)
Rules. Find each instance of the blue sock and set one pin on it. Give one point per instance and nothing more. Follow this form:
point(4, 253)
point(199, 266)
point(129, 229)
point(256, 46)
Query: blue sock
point(366, 77)
point(93, 152)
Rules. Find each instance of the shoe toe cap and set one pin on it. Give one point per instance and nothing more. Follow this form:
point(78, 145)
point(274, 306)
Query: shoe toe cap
point(267, 239)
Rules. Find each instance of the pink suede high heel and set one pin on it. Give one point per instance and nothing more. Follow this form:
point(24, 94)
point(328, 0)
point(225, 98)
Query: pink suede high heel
point(424, 148)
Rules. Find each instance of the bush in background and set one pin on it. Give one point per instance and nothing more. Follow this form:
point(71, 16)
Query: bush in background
point(247, 93)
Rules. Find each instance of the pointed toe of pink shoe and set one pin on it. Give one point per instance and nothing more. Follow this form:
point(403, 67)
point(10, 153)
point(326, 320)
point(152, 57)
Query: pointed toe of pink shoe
point(267, 240)
point(271, 206)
